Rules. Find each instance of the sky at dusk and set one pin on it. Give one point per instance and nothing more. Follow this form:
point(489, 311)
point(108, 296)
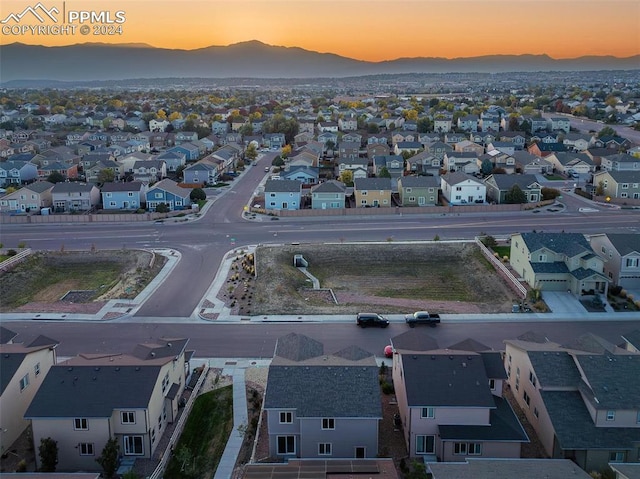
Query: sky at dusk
point(371, 30)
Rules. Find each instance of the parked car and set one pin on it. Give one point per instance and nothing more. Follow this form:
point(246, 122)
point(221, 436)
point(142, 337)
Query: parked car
point(371, 319)
point(267, 169)
point(422, 317)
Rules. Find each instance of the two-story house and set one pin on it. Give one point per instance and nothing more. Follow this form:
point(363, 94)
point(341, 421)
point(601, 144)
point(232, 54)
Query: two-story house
point(123, 195)
point(500, 187)
point(424, 162)
point(28, 199)
point(322, 406)
point(282, 195)
point(200, 173)
point(450, 403)
point(173, 159)
point(418, 190)
point(168, 192)
point(328, 195)
point(467, 162)
point(622, 185)
point(372, 192)
point(24, 366)
point(149, 171)
point(559, 123)
point(621, 255)
point(17, 172)
point(459, 188)
point(580, 398)
point(558, 262)
point(74, 197)
point(358, 166)
point(567, 162)
point(620, 162)
point(88, 399)
point(348, 150)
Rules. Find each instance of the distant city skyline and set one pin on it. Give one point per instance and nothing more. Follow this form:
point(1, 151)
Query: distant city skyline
point(373, 30)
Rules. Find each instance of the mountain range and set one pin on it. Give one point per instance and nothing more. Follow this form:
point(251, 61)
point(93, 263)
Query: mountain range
point(253, 59)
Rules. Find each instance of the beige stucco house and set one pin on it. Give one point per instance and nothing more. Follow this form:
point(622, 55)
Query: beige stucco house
point(621, 255)
point(372, 192)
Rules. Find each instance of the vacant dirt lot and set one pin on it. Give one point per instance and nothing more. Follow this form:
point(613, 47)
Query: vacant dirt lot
point(389, 278)
point(95, 277)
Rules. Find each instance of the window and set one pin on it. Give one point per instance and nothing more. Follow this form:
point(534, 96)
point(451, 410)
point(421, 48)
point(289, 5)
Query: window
point(535, 412)
point(128, 417)
point(611, 415)
point(112, 203)
point(85, 448)
point(526, 397)
point(286, 417)
point(286, 444)
point(328, 423)
point(109, 195)
point(425, 445)
point(36, 369)
point(165, 382)
point(616, 456)
point(158, 195)
point(474, 449)
point(130, 193)
point(324, 449)
point(460, 448)
point(632, 262)
point(153, 435)
point(80, 424)
point(532, 378)
point(427, 413)
point(492, 384)
point(517, 379)
point(133, 446)
point(24, 382)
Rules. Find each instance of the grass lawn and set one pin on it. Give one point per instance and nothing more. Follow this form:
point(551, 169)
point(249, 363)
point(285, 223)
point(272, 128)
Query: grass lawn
point(204, 438)
point(4, 257)
point(503, 251)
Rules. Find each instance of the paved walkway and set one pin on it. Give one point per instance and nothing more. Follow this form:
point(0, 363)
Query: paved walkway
point(240, 420)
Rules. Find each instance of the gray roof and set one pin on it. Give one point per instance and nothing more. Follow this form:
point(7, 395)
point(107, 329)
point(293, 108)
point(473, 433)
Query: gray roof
point(591, 343)
point(455, 380)
point(414, 340)
point(503, 426)
point(613, 379)
point(163, 348)
point(624, 176)
point(556, 267)
point(499, 468)
point(633, 338)
point(121, 186)
point(6, 335)
point(419, 182)
point(554, 369)
point(505, 182)
point(298, 347)
point(353, 353)
point(172, 187)
point(92, 391)
point(629, 470)
point(325, 391)
point(283, 186)
point(570, 244)
point(39, 186)
point(372, 184)
point(625, 243)
point(470, 344)
point(575, 429)
point(331, 186)
point(72, 187)
point(493, 365)
point(453, 178)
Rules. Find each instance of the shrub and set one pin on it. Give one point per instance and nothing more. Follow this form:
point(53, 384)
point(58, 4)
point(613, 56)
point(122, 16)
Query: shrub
point(623, 293)
point(615, 290)
point(541, 306)
point(505, 259)
point(22, 466)
point(630, 297)
point(387, 388)
point(12, 252)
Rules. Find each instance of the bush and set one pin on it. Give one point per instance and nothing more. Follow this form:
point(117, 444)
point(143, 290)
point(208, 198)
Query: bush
point(623, 293)
point(615, 290)
point(12, 252)
point(387, 388)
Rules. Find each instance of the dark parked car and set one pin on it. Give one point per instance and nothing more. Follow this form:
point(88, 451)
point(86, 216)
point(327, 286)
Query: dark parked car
point(371, 319)
point(422, 317)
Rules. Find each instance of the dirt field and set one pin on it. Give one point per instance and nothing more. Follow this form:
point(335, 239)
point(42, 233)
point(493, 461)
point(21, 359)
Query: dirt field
point(389, 278)
point(93, 277)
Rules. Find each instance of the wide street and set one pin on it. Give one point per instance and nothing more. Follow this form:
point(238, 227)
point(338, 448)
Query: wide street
point(204, 242)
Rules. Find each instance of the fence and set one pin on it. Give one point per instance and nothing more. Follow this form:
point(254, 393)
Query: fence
point(166, 455)
point(9, 263)
point(89, 218)
point(502, 269)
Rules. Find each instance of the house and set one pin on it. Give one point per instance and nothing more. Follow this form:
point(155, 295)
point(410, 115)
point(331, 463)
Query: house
point(190, 152)
point(328, 195)
point(13, 172)
point(125, 163)
point(578, 141)
point(24, 367)
point(459, 188)
point(538, 123)
point(545, 137)
point(377, 149)
point(123, 196)
point(545, 149)
point(566, 162)
point(28, 199)
point(425, 163)
point(518, 138)
point(401, 136)
point(185, 137)
point(88, 399)
point(558, 262)
point(219, 127)
point(352, 137)
point(322, 406)
point(328, 126)
point(489, 121)
point(394, 164)
point(158, 125)
point(173, 159)
point(438, 149)
point(201, 173)
point(482, 137)
point(377, 139)
point(618, 162)
point(92, 173)
point(372, 192)
point(452, 138)
point(531, 164)
point(307, 175)
point(506, 147)
point(411, 147)
point(580, 398)
point(476, 468)
point(450, 403)
point(559, 123)
point(328, 139)
point(348, 150)
point(621, 255)
point(282, 195)
point(274, 141)
point(149, 171)
point(618, 184)
point(499, 188)
point(358, 166)
point(468, 123)
point(418, 190)
point(168, 192)
point(466, 162)
point(228, 155)
point(442, 124)
point(348, 123)
point(467, 146)
point(74, 197)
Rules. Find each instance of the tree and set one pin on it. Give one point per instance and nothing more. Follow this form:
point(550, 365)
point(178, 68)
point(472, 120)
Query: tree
point(252, 152)
point(48, 451)
point(55, 177)
point(162, 208)
point(197, 194)
point(486, 167)
point(373, 128)
point(549, 193)
point(108, 459)
point(515, 195)
point(179, 171)
point(277, 161)
point(384, 173)
point(347, 177)
point(330, 144)
point(600, 189)
point(606, 131)
point(175, 116)
point(424, 125)
point(106, 175)
point(513, 123)
point(286, 151)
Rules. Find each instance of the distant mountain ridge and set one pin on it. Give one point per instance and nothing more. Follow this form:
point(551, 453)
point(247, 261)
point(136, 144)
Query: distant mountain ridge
point(254, 59)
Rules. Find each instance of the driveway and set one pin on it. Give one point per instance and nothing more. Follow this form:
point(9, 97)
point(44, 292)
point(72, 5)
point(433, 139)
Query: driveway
point(562, 302)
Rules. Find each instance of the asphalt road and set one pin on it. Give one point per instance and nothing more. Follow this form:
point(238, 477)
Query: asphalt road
point(203, 243)
point(584, 125)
